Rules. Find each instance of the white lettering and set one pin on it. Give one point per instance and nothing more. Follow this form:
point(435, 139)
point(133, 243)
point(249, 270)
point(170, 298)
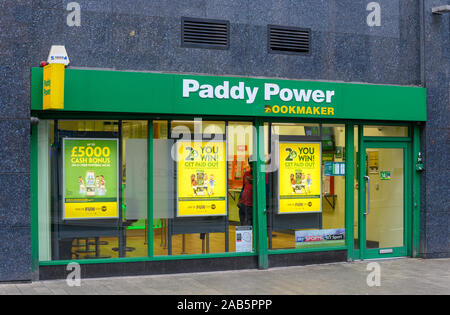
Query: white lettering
point(270, 89)
point(318, 96)
point(206, 91)
point(73, 278)
point(305, 95)
point(330, 94)
point(237, 92)
point(374, 17)
point(286, 95)
point(251, 94)
point(189, 86)
point(374, 277)
point(222, 91)
point(74, 17)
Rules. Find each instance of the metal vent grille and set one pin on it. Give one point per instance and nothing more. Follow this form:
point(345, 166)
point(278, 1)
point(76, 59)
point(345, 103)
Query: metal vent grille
point(289, 40)
point(203, 33)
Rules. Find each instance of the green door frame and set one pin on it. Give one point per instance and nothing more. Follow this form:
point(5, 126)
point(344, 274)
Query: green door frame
point(393, 143)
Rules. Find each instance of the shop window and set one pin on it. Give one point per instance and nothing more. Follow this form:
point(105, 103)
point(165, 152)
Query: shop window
point(306, 186)
point(199, 167)
point(385, 131)
point(92, 189)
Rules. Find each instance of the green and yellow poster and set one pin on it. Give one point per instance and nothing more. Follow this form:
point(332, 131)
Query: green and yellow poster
point(90, 177)
point(299, 181)
point(201, 178)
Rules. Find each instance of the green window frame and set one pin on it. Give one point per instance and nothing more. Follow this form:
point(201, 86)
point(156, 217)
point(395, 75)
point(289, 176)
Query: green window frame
point(260, 239)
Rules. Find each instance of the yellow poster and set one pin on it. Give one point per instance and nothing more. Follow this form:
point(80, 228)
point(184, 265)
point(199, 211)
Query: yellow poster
point(201, 178)
point(299, 180)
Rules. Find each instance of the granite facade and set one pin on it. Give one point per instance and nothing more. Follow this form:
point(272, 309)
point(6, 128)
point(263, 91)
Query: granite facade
point(145, 35)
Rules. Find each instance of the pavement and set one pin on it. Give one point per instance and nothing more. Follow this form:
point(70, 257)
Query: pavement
point(406, 276)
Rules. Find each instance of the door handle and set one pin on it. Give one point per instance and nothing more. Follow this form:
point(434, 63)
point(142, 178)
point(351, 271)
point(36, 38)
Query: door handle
point(368, 195)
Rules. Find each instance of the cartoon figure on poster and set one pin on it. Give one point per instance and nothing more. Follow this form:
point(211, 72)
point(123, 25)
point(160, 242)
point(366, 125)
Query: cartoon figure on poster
point(92, 187)
point(82, 186)
point(308, 183)
point(299, 184)
point(211, 184)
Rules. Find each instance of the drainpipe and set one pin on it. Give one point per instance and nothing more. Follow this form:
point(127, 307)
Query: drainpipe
point(417, 251)
point(422, 42)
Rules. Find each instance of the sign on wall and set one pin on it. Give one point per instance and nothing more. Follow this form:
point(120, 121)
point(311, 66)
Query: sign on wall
point(53, 86)
point(299, 179)
point(201, 178)
point(90, 178)
point(165, 93)
point(314, 238)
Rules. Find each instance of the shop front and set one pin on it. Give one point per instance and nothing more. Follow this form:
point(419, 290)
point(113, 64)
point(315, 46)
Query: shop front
point(158, 172)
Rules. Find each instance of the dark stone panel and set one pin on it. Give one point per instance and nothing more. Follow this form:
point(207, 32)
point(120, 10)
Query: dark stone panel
point(151, 267)
point(15, 258)
point(435, 234)
point(15, 146)
point(300, 259)
point(348, 61)
point(141, 44)
point(236, 11)
point(87, 46)
point(173, 8)
point(438, 109)
point(438, 234)
point(437, 142)
point(437, 190)
point(14, 203)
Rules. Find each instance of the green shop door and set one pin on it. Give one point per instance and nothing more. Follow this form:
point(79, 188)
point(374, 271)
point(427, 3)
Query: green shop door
point(384, 200)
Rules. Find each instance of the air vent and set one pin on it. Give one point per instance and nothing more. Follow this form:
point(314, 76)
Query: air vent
point(203, 33)
point(289, 40)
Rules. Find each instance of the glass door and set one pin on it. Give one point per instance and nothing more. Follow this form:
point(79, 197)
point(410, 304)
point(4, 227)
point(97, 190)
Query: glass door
point(384, 200)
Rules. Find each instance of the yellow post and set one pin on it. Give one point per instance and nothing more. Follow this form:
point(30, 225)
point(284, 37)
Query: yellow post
point(53, 87)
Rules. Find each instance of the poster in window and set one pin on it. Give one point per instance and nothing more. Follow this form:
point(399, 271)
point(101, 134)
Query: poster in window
point(90, 178)
point(201, 178)
point(299, 179)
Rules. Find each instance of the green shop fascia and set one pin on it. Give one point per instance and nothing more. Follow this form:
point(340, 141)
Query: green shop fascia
point(125, 95)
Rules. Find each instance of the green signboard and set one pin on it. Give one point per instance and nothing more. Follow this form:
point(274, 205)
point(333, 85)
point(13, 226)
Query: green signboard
point(160, 93)
point(90, 177)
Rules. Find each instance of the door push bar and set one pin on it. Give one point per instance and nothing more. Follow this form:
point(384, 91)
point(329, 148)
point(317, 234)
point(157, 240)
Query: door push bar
point(368, 195)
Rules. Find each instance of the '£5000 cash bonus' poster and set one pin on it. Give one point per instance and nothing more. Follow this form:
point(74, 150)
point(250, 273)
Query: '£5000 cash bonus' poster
point(90, 177)
point(201, 178)
point(299, 177)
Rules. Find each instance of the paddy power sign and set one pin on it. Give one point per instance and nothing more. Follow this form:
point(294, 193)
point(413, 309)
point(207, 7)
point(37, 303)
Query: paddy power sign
point(90, 177)
point(170, 93)
point(317, 102)
point(299, 179)
point(201, 178)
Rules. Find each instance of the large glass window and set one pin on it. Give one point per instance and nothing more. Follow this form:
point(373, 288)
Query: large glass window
point(92, 189)
point(200, 205)
point(385, 131)
point(306, 185)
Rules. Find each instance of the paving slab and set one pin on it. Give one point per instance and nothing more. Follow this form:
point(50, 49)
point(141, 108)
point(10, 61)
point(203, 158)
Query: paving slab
point(409, 276)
